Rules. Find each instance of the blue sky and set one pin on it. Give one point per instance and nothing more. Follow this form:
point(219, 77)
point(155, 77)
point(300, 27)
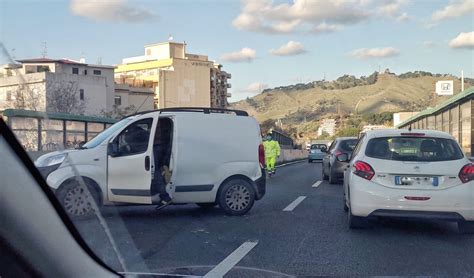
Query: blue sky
point(284, 42)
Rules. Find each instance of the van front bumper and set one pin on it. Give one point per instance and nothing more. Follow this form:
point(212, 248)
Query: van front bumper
point(260, 185)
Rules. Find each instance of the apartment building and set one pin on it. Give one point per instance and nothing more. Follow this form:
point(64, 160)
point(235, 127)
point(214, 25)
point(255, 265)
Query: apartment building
point(177, 78)
point(219, 86)
point(328, 126)
point(45, 84)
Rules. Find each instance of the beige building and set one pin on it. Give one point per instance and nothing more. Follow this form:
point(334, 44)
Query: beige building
point(402, 116)
point(136, 98)
point(179, 79)
point(45, 84)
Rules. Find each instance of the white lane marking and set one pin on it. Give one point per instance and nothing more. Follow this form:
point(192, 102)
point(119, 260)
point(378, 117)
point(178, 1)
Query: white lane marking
point(234, 258)
point(295, 203)
point(316, 184)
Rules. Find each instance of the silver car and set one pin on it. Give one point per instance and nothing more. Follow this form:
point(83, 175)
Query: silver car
point(333, 169)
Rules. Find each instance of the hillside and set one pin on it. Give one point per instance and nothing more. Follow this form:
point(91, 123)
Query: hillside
point(301, 106)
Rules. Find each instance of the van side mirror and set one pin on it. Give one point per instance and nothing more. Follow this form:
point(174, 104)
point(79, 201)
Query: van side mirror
point(112, 149)
point(343, 157)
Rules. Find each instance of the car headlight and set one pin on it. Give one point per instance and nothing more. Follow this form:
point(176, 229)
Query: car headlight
point(51, 161)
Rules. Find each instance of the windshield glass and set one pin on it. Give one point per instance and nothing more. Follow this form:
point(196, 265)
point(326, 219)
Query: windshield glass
point(420, 149)
point(106, 133)
point(234, 125)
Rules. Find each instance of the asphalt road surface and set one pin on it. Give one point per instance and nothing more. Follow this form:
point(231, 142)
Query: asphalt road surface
point(297, 229)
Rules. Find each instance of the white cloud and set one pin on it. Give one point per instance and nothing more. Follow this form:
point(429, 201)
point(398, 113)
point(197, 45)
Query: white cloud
point(255, 88)
point(463, 40)
point(289, 49)
point(110, 11)
point(244, 55)
point(457, 8)
point(326, 28)
point(367, 53)
point(428, 44)
point(403, 17)
point(305, 15)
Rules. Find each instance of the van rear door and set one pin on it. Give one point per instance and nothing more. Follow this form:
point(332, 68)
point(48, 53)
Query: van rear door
point(130, 161)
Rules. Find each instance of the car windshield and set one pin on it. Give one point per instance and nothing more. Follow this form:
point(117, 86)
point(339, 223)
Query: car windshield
point(318, 146)
point(419, 149)
point(231, 138)
point(106, 133)
point(348, 145)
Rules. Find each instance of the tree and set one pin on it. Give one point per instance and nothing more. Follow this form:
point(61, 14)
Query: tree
point(348, 131)
point(118, 113)
point(29, 97)
point(64, 97)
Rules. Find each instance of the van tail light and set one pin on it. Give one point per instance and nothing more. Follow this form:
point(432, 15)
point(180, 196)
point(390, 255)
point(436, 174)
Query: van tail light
point(261, 155)
point(363, 170)
point(467, 173)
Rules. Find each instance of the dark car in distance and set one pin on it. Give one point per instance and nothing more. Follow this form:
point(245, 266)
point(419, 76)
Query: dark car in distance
point(332, 168)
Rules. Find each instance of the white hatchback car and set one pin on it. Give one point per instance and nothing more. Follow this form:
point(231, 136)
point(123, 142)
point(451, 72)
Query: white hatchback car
point(409, 174)
point(212, 156)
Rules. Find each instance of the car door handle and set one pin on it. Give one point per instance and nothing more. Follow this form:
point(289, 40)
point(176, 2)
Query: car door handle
point(147, 163)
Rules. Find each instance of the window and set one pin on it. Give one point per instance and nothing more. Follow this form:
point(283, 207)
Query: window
point(427, 149)
point(85, 72)
point(118, 100)
point(42, 69)
point(134, 138)
point(97, 72)
point(30, 69)
point(348, 145)
point(81, 94)
point(75, 70)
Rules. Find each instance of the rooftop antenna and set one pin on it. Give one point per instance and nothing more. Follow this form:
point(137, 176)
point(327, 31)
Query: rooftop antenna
point(44, 51)
point(82, 59)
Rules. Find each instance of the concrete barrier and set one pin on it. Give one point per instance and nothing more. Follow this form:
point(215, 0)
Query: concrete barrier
point(287, 155)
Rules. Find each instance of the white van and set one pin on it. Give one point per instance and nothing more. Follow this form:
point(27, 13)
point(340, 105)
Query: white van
point(215, 156)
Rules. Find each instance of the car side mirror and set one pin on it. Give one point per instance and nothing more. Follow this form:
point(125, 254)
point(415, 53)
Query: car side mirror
point(343, 157)
point(112, 149)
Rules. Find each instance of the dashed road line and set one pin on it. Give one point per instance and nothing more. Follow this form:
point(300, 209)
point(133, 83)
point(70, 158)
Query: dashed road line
point(290, 163)
point(294, 204)
point(316, 184)
point(234, 258)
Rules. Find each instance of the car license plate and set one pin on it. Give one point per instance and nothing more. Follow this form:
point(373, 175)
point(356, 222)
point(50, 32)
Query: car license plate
point(407, 180)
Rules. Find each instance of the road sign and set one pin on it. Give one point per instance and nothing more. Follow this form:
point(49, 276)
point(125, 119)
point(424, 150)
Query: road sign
point(444, 88)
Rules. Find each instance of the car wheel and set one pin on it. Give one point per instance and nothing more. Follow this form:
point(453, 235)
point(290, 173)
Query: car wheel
point(78, 201)
point(325, 177)
point(466, 227)
point(236, 197)
point(346, 208)
point(355, 222)
point(332, 178)
point(206, 205)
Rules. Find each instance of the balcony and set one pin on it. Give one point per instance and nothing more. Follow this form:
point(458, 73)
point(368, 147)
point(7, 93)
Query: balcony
point(229, 85)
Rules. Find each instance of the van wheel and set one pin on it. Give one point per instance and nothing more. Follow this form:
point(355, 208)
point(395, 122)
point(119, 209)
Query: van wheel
point(77, 200)
point(466, 227)
point(206, 205)
point(236, 197)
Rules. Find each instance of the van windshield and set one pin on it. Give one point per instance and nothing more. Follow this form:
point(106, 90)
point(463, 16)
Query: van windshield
point(421, 149)
point(106, 133)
